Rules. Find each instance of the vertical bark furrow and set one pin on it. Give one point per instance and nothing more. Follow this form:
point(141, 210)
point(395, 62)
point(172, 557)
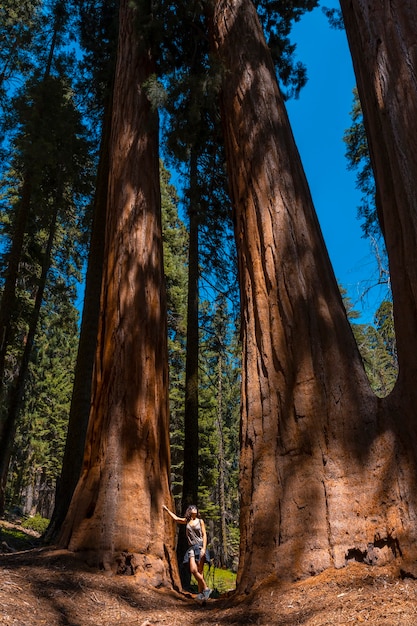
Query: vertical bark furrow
point(116, 513)
point(304, 389)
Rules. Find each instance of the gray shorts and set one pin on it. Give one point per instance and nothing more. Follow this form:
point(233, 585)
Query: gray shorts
point(193, 551)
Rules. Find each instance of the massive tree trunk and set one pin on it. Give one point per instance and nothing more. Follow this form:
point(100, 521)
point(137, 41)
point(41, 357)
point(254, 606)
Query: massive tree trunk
point(325, 472)
point(382, 38)
point(116, 513)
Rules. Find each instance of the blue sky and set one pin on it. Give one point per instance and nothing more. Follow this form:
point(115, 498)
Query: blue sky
point(318, 119)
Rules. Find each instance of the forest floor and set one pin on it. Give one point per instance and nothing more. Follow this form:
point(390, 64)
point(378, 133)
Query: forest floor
point(43, 587)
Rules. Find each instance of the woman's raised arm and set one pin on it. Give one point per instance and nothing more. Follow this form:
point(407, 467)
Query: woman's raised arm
point(179, 520)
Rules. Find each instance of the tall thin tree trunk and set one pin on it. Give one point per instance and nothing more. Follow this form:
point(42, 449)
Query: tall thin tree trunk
point(190, 473)
point(116, 512)
point(9, 291)
point(222, 499)
point(81, 395)
point(323, 470)
point(191, 430)
point(18, 387)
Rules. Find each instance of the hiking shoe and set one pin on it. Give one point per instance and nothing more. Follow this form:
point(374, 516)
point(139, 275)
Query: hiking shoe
point(201, 596)
point(207, 593)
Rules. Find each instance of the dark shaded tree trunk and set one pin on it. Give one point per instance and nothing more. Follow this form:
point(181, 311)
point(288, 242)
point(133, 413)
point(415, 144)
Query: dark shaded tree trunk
point(81, 395)
point(191, 436)
point(18, 386)
point(116, 512)
point(24, 207)
point(9, 292)
point(223, 550)
point(327, 470)
point(191, 443)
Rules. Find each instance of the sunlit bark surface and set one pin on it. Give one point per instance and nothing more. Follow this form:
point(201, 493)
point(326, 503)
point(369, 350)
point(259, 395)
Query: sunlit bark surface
point(325, 474)
point(116, 514)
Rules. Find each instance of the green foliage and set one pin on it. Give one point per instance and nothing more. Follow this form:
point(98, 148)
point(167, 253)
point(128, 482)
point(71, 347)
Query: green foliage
point(376, 345)
point(50, 157)
point(219, 413)
point(220, 580)
point(15, 538)
point(155, 91)
point(378, 349)
point(217, 339)
point(40, 438)
point(358, 157)
point(19, 23)
point(175, 238)
point(335, 18)
point(50, 175)
point(277, 19)
point(36, 523)
point(97, 27)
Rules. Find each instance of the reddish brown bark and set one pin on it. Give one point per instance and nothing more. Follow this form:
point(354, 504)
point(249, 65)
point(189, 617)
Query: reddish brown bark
point(382, 38)
point(116, 513)
point(327, 474)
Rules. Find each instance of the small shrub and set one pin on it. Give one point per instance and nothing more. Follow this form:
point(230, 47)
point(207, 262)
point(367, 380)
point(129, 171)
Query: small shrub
point(37, 523)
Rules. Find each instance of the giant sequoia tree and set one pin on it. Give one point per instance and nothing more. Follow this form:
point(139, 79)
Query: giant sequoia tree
point(327, 469)
point(381, 39)
point(117, 505)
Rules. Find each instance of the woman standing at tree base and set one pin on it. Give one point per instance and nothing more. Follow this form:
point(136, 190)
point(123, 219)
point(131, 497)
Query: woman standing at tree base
point(197, 544)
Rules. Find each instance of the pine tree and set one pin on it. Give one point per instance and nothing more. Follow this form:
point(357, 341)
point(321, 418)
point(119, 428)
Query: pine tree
point(220, 373)
point(175, 239)
point(41, 432)
point(48, 183)
point(359, 159)
point(376, 344)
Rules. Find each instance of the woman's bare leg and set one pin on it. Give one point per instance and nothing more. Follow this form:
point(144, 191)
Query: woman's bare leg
point(197, 575)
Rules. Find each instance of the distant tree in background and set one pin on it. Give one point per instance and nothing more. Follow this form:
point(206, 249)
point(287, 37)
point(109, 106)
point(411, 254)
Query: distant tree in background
point(175, 240)
point(359, 160)
point(41, 431)
point(376, 343)
point(46, 188)
point(220, 412)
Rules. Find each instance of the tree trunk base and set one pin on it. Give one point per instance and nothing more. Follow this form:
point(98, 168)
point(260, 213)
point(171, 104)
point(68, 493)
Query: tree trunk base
point(149, 570)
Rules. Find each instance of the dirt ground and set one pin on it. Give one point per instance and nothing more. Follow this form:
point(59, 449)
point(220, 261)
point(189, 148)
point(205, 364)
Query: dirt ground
point(43, 587)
